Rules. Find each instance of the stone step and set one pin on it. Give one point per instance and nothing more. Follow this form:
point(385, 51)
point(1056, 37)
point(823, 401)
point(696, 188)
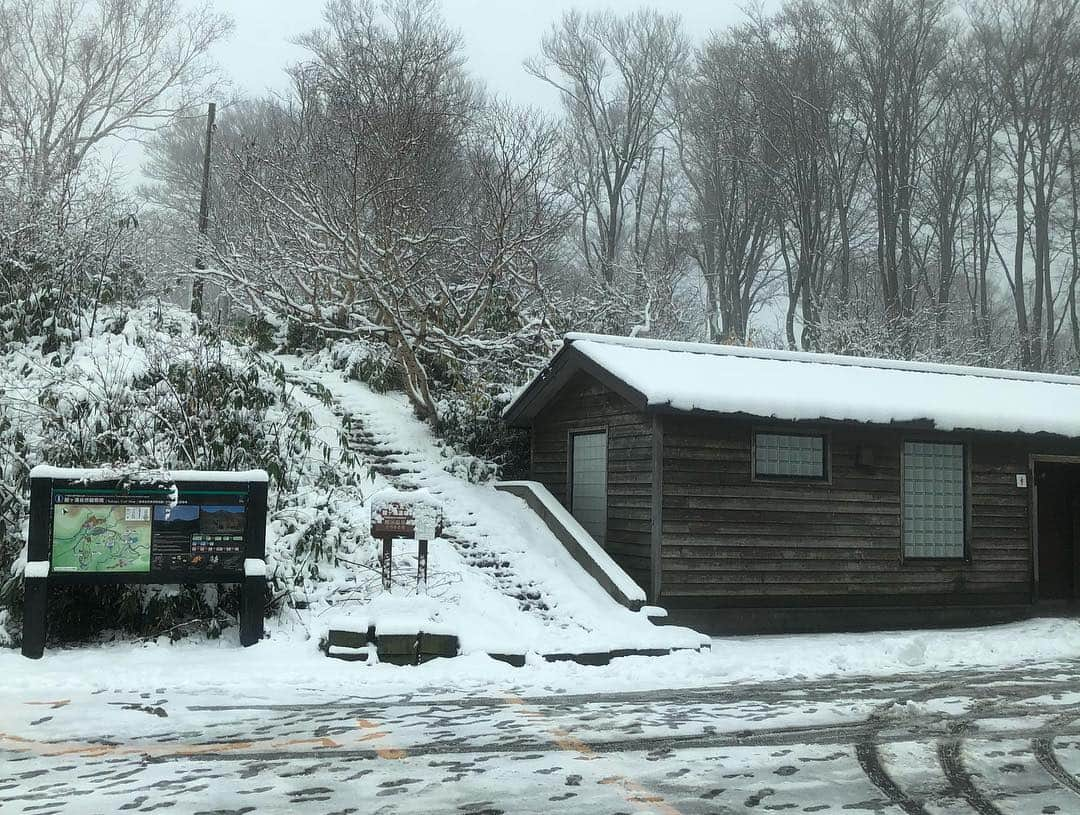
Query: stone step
point(394, 649)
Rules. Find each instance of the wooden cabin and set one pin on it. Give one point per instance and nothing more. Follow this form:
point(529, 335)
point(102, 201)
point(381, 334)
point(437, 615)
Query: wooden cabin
point(748, 489)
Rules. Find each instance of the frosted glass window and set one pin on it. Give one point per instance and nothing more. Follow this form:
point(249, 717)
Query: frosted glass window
point(789, 456)
point(588, 495)
point(933, 500)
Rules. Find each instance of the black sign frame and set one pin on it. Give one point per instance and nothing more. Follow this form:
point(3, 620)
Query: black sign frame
point(250, 490)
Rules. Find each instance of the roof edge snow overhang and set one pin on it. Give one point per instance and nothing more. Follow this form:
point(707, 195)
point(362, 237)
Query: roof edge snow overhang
point(716, 349)
point(567, 362)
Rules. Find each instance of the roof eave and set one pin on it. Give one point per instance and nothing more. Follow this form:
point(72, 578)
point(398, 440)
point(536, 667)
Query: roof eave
point(546, 385)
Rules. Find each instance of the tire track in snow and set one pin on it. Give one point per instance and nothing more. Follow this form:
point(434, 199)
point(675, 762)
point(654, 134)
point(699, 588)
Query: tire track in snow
point(869, 760)
point(1043, 748)
point(960, 780)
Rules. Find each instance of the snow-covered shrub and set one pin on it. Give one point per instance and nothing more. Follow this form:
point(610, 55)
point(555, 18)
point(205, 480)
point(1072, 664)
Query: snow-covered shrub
point(155, 399)
point(146, 392)
point(58, 272)
point(259, 333)
point(367, 362)
point(471, 468)
point(922, 336)
point(6, 638)
point(470, 419)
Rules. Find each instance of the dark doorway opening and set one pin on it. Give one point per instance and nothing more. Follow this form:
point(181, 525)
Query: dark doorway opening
point(1058, 496)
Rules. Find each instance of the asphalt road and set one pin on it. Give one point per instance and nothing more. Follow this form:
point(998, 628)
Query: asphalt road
point(964, 742)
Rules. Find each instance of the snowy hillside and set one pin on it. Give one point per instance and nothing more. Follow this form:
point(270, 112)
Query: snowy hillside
point(498, 577)
point(145, 392)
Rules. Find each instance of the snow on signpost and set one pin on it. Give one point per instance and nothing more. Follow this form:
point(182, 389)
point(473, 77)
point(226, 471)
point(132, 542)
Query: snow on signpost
point(413, 515)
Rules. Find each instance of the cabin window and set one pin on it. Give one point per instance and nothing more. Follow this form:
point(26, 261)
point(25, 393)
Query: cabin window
point(934, 500)
point(789, 455)
point(588, 482)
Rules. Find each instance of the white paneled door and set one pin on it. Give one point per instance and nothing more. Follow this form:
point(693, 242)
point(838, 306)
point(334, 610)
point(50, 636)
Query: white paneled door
point(588, 489)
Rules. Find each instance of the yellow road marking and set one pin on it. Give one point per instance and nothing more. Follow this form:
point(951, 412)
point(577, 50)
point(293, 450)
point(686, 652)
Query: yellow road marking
point(388, 753)
point(634, 793)
point(23, 744)
point(85, 750)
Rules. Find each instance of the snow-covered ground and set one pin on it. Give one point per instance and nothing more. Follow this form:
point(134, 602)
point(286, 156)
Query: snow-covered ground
point(992, 742)
point(288, 666)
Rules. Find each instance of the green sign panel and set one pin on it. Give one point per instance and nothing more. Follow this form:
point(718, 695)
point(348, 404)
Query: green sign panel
point(101, 537)
point(187, 533)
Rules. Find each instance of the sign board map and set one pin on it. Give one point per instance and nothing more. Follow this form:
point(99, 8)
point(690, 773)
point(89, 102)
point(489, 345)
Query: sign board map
point(139, 531)
point(101, 538)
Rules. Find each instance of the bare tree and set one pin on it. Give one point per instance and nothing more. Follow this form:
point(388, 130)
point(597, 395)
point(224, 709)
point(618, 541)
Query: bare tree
point(816, 155)
point(721, 150)
point(394, 205)
point(986, 209)
point(78, 73)
point(895, 47)
point(1030, 50)
point(952, 144)
point(1073, 274)
point(612, 73)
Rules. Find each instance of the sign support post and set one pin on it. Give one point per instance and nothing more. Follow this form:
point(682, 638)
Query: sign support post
point(386, 562)
point(421, 566)
point(398, 515)
point(253, 589)
point(36, 581)
point(252, 604)
point(35, 594)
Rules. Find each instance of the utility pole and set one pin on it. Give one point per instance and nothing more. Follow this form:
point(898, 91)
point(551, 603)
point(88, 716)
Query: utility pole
point(204, 216)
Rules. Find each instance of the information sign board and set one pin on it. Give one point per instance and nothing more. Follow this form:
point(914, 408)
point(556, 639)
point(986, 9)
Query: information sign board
point(191, 527)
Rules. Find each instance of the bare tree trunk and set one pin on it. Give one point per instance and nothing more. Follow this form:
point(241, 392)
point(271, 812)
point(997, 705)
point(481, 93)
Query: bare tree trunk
point(198, 284)
point(1018, 289)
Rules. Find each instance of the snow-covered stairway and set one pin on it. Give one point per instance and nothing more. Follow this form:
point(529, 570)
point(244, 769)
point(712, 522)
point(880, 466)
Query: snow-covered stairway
point(382, 459)
point(399, 468)
point(509, 585)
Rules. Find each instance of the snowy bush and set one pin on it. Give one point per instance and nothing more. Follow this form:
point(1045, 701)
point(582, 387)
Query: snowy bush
point(471, 468)
point(367, 362)
point(470, 418)
point(146, 392)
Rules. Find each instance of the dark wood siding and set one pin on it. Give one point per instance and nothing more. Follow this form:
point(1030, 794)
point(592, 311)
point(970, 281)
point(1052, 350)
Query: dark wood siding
point(730, 541)
point(585, 404)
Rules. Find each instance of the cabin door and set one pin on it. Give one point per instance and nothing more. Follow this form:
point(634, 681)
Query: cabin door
point(1059, 529)
point(588, 482)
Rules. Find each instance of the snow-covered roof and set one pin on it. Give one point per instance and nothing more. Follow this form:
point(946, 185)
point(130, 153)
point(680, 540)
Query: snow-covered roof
point(797, 386)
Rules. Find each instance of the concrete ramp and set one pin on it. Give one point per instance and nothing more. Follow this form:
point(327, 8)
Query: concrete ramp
point(579, 543)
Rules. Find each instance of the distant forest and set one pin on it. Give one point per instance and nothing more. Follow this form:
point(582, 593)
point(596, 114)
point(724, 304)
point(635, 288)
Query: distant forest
point(887, 177)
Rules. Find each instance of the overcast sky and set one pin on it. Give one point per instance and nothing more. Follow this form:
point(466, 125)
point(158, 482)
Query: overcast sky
point(499, 35)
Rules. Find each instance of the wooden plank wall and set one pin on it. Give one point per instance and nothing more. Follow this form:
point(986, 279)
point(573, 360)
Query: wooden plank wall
point(586, 404)
point(730, 541)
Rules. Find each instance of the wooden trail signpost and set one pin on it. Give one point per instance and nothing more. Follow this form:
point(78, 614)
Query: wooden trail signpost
point(92, 527)
point(399, 515)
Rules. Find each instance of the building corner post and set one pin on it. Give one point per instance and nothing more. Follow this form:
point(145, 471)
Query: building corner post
point(657, 527)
